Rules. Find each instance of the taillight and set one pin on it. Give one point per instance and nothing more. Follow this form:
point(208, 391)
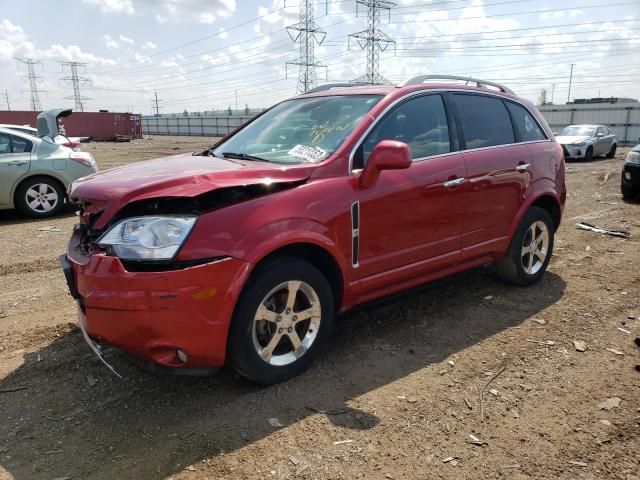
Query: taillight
point(83, 157)
point(71, 144)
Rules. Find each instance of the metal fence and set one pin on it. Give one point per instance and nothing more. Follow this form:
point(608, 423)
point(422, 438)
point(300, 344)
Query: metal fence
point(208, 126)
point(622, 118)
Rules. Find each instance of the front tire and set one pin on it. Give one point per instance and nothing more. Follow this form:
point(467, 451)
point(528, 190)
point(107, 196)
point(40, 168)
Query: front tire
point(530, 249)
point(612, 152)
point(39, 197)
point(628, 193)
point(588, 156)
point(282, 320)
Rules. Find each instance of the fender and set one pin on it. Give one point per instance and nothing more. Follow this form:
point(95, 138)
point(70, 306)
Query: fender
point(547, 191)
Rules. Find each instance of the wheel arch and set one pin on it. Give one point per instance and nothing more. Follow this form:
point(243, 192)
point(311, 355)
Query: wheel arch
point(319, 256)
point(547, 200)
point(31, 175)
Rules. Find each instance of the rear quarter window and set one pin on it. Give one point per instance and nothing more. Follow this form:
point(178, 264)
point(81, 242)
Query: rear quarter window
point(526, 124)
point(484, 120)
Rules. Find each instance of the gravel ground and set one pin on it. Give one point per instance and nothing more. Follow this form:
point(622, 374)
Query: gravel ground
point(395, 395)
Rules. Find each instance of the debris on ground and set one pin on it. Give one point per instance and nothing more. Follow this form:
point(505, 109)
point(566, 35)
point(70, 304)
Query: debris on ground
point(594, 228)
point(579, 345)
point(92, 381)
point(484, 388)
point(614, 351)
point(577, 463)
point(540, 321)
point(476, 440)
point(274, 422)
point(342, 442)
point(610, 404)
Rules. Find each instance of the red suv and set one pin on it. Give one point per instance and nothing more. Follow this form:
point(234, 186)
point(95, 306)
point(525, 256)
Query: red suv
point(245, 253)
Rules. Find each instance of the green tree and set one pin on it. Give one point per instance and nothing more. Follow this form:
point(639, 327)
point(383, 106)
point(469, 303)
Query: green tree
point(543, 98)
point(229, 111)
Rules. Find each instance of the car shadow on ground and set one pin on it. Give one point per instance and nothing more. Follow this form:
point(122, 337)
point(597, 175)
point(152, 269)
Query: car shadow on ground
point(65, 415)
point(14, 217)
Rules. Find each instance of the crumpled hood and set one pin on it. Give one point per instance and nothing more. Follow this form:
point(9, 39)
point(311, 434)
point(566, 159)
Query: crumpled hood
point(183, 175)
point(569, 139)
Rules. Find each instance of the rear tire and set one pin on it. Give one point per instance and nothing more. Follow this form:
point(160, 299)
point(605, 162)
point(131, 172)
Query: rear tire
point(40, 197)
point(530, 249)
point(612, 152)
point(276, 335)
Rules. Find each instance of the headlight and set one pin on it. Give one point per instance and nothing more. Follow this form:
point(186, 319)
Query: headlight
point(633, 157)
point(147, 238)
point(579, 144)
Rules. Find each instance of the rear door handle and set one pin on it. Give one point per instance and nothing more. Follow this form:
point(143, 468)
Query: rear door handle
point(523, 167)
point(454, 183)
point(15, 163)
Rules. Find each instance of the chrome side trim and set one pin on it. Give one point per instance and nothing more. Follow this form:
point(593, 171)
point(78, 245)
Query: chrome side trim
point(351, 171)
point(523, 168)
point(355, 234)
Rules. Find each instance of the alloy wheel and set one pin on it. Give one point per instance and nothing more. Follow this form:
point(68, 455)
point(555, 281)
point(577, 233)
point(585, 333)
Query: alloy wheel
point(286, 323)
point(535, 247)
point(41, 198)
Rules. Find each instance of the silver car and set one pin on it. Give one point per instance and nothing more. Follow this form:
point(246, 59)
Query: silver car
point(35, 173)
point(587, 141)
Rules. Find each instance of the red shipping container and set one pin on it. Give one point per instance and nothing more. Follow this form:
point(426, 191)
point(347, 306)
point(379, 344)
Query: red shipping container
point(100, 126)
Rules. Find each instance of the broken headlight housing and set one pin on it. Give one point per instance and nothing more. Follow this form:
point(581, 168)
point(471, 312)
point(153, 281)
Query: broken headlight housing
point(147, 238)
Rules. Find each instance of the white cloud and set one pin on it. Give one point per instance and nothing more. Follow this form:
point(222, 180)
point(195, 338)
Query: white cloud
point(126, 40)
point(113, 6)
point(109, 42)
point(223, 34)
point(176, 11)
point(149, 45)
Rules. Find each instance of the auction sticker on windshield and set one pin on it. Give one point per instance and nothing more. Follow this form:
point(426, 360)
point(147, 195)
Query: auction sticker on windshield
point(311, 154)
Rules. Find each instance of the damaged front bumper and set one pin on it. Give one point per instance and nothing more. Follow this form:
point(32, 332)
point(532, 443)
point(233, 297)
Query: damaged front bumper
point(175, 319)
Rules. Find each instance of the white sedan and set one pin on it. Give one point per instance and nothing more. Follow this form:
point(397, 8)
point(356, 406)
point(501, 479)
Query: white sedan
point(587, 141)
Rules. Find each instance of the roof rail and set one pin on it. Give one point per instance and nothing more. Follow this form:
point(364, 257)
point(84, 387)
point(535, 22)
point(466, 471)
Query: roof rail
point(479, 83)
point(328, 86)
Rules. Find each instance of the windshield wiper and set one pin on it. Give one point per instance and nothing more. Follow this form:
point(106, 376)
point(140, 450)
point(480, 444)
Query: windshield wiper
point(243, 156)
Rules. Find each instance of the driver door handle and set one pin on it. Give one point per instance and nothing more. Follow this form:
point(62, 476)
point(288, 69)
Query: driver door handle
point(523, 167)
point(15, 163)
point(454, 183)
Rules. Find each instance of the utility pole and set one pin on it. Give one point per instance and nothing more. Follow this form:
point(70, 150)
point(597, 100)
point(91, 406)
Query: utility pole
point(306, 33)
point(156, 104)
point(236, 101)
point(75, 80)
point(33, 82)
point(553, 91)
point(570, 80)
point(373, 40)
point(6, 96)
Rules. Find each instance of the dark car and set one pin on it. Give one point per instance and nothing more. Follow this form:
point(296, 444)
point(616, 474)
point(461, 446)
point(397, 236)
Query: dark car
point(630, 185)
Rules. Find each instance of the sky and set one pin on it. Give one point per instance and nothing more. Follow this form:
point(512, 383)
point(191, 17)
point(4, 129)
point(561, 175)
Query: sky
point(203, 54)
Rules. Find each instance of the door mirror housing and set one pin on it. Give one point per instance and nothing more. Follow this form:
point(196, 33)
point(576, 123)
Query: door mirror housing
point(386, 155)
point(600, 135)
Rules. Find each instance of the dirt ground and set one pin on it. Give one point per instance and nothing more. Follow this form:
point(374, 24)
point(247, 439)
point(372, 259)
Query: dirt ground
point(394, 396)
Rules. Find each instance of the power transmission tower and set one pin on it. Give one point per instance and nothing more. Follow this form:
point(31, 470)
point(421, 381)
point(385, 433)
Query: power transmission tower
point(75, 81)
point(373, 40)
point(33, 79)
point(306, 33)
point(155, 104)
point(6, 96)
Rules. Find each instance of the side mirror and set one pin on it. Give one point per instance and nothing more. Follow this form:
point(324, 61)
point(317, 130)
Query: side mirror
point(386, 155)
point(600, 135)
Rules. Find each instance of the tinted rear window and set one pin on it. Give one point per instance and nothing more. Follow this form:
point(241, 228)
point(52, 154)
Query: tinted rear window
point(485, 121)
point(525, 123)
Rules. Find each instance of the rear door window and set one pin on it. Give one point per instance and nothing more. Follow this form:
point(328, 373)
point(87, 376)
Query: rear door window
point(527, 126)
point(485, 121)
point(5, 143)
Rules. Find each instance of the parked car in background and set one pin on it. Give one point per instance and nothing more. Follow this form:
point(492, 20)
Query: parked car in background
point(244, 253)
point(34, 173)
point(21, 128)
point(587, 141)
point(631, 174)
point(51, 128)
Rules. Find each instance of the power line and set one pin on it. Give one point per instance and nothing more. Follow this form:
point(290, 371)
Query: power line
point(306, 33)
point(6, 96)
point(373, 40)
point(33, 82)
point(75, 80)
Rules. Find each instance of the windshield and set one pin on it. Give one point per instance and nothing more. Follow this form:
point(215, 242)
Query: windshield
point(574, 131)
point(302, 130)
